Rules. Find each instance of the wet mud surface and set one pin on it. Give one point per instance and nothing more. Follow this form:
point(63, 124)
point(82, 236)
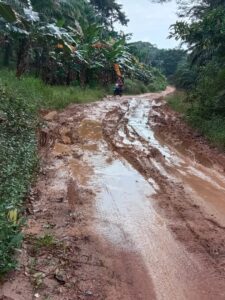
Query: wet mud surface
point(129, 204)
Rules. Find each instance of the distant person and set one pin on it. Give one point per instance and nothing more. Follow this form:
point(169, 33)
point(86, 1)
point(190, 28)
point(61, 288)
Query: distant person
point(119, 87)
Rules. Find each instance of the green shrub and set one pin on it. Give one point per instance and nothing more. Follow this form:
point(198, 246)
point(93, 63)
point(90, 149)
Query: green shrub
point(18, 160)
point(158, 83)
point(136, 87)
point(46, 240)
point(178, 101)
point(212, 126)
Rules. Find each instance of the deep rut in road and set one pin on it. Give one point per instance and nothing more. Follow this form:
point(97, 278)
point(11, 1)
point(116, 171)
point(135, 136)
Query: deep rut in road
point(135, 202)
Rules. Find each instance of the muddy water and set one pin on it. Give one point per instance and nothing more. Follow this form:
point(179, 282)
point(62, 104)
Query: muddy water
point(201, 179)
point(125, 215)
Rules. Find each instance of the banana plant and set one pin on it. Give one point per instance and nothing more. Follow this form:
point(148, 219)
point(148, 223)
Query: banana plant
point(28, 32)
point(64, 45)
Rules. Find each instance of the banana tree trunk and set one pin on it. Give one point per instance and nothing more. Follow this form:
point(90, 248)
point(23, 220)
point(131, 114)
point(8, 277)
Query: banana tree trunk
point(7, 53)
point(83, 76)
point(22, 57)
point(69, 75)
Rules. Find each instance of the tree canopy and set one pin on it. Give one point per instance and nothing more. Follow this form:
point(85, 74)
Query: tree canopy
point(166, 60)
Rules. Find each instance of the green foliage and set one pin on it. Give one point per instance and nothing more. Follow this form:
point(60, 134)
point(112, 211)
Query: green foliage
point(39, 95)
point(204, 35)
point(185, 77)
point(213, 128)
point(158, 83)
point(18, 161)
point(210, 125)
point(45, 241)
point(66, 41)
point(178, 101)
point(145, 51)
point(166, 60)
point(209, 93)
point(110, 11)
point(202, 76)
point(7, 12)
point(135, 86)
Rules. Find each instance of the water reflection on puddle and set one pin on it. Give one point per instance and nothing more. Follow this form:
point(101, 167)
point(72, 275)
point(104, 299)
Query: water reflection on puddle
point(205, 183)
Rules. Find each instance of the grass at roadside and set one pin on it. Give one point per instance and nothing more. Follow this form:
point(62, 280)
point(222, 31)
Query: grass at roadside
point(213, 127)
point(18, 161)
point(39, 95)
point(135, 87)
point(178, 102)
point(20, 101)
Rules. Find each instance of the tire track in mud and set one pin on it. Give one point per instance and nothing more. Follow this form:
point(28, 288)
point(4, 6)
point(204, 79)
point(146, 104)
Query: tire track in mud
point(200, 233)
point(115, 193)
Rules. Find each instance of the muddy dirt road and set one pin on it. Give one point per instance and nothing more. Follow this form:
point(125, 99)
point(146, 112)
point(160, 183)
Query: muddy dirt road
point(129, 204)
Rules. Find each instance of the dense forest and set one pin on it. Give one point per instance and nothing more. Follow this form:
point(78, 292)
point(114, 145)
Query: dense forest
point(166, 60)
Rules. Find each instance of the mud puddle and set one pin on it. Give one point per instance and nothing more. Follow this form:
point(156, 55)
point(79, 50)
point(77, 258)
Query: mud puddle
point(184, 189)
point(172, 159)
point(126, 218)
point(200, 179)
point(133, 213)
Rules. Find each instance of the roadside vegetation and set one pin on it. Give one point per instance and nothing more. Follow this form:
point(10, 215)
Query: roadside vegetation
point(135, 87)
point(18, 160)
point(177, 101)
point(201, 75)
point(212, 127)
point(39, 95)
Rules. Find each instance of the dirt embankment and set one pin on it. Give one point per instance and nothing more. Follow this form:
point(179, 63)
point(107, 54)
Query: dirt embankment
point(129, 204)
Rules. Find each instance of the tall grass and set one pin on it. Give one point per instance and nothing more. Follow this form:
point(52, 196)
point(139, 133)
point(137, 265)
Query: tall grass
point(178, 102)
point(136, 87)
point(40, 95)
point(212, 126)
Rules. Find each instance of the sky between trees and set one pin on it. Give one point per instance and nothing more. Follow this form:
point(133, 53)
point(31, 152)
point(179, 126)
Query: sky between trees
point(150, 21)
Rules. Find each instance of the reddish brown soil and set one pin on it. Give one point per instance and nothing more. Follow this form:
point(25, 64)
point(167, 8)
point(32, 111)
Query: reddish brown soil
point(129, 204)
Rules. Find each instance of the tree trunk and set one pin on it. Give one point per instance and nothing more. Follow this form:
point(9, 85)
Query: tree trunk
point(83, 77)
point(7, 53)
point(68, 78)
point(22, 57)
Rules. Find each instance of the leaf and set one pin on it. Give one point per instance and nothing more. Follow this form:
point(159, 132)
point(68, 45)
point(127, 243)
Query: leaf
point(60, 23)
point(31, 15)
point(16, 29)
point(8, 13)
point(12, 216)
point(68, 47)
